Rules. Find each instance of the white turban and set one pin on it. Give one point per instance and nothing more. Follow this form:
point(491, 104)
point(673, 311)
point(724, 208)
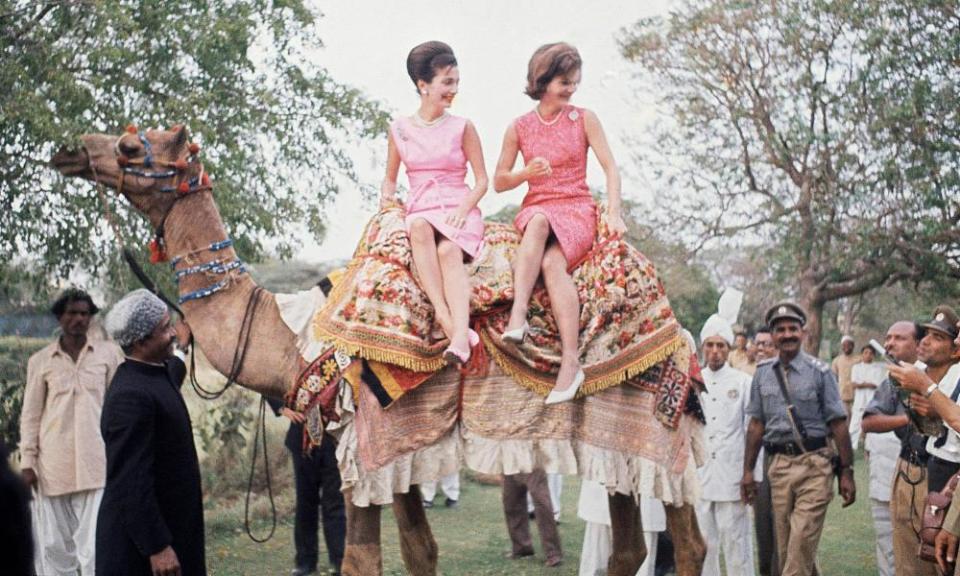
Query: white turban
point(721, 323)
point(135, 316)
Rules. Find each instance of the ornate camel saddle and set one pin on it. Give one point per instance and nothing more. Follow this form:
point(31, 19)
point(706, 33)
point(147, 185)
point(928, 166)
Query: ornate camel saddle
point(408, 417)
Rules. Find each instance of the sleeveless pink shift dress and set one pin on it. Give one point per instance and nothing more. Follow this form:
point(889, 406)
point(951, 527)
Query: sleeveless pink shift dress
point(436, 166)
point(563, 197)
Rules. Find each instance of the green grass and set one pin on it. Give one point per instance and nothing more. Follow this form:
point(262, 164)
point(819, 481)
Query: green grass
point(473, 537)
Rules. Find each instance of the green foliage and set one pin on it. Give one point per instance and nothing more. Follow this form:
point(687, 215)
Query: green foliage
point(239, 73)
point(14, 353)
point(825, 131)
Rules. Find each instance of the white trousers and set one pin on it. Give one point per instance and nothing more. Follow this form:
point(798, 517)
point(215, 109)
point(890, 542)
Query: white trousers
point(555, 484)
point(884, 530)
point(726, 526)
point(65, 530)
point(598, 545)
point(450, 484)
point(861, 398)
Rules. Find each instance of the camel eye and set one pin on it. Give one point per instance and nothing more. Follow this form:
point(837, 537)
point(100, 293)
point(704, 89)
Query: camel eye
point(128, 148)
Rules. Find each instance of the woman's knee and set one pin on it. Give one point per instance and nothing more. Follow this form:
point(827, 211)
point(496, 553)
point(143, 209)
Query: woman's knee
point(421, 231)
point(538, 226)
point(554, 262)
point(449, 252)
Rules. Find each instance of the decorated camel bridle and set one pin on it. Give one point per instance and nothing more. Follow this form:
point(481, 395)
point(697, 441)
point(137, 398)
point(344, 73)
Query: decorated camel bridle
point(183, 185)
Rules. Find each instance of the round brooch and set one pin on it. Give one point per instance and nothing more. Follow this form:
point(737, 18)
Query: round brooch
point(573, 115)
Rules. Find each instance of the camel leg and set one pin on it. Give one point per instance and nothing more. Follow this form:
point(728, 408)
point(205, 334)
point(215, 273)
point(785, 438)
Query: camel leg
point(626, 525)
point(362, 556)
point(689, 549)
point(417, 546)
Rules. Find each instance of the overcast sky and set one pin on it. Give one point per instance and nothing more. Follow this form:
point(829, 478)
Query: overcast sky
point(367, 44)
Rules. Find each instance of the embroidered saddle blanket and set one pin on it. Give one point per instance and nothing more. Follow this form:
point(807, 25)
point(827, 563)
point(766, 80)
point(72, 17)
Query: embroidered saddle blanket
point(377, 312)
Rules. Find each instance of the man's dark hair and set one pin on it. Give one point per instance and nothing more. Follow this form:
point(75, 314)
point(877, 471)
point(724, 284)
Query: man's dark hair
point(67, 297)
point(762, 330)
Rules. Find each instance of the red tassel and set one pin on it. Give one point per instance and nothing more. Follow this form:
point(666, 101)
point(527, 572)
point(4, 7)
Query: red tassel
point(122, 161)
point(194, 148)
point(183, 188)
point(131, 128)
point(157, 252)
point(180, 164)
point(205, 179)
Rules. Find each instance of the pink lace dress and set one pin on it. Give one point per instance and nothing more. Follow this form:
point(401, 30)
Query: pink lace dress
point(562, 197)
point(436, 167)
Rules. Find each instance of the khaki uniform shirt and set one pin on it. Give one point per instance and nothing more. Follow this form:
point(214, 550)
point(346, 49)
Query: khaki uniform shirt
point(60, 422)
point(842, 366)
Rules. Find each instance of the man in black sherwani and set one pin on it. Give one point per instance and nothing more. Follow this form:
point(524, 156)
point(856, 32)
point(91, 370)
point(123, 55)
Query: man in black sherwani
point(151, 516)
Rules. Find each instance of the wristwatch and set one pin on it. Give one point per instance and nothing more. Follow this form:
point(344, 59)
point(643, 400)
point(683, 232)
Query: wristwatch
point(930, 390)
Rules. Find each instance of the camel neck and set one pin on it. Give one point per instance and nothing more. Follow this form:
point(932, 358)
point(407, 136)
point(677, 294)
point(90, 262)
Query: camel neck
point(193, 224)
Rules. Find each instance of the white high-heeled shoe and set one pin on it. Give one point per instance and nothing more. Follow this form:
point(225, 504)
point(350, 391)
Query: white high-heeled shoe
point(556, 397)
point(516, 335)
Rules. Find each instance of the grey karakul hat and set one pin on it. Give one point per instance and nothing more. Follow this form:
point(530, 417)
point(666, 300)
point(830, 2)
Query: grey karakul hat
point(135, 316)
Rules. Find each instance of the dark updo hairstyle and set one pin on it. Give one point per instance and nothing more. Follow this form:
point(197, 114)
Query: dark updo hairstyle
point(69, 296)
point(548, 62)
point(426, 59)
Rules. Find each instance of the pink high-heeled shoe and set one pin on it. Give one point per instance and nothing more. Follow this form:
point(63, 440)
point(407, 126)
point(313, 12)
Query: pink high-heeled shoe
point(456, 356)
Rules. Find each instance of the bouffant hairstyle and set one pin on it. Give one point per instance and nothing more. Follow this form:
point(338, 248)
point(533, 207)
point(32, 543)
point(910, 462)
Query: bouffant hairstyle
point(426, 59)
point(69, 295)
point(548, 62)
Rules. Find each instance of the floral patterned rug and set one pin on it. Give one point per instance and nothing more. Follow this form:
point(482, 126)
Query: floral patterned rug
point(377, 311)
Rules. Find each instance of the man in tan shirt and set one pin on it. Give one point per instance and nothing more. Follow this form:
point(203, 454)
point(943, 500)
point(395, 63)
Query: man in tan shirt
point(842, 367)
point(738, 356)
point(61, 452)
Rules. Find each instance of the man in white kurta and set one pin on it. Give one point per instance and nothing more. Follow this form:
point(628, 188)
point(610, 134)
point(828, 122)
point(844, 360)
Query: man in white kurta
point(61, 451)
point(724, 519)
point(865, 377)
point(883, 450)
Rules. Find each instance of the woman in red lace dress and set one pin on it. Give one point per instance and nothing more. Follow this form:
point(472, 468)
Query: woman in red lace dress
point(558, 217)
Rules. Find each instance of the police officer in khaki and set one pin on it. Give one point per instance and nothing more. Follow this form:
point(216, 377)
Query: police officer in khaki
point(795, 434)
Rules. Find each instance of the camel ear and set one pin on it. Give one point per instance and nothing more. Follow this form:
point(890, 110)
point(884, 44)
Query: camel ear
point(182, 134)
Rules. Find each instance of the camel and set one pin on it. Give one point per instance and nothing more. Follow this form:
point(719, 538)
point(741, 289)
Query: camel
point(159, 173)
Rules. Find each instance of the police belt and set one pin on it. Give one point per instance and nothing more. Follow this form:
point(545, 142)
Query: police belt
point(792, 449)
point(912, 456)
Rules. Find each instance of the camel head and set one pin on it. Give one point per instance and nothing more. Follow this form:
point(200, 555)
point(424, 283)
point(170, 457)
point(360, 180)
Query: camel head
point(152, 169)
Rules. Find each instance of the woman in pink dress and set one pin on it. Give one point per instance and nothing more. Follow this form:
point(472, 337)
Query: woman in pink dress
point(442, 219)
point(558, 217)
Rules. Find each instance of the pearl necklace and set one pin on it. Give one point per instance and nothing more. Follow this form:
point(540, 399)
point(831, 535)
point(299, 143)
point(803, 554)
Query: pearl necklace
point(419, 121)
point(551, 122)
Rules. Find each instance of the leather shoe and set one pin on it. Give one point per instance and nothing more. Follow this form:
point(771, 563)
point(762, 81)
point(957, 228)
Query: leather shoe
point(518, 555)
point(516, 335)
point(303, 571)
point(568, 394)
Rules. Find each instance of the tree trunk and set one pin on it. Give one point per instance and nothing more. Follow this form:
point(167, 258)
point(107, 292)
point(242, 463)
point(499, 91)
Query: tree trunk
point(813, 331)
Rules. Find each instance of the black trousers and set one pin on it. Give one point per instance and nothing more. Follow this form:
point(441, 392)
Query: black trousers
point(939, 472)
point(768, 563)
point(318, 490)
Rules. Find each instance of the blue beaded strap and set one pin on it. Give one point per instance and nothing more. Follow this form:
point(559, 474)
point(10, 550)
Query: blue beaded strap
point(156, 175)
point(194, 185)
point(215, 247)
point(214, 266)
point(209, 290)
